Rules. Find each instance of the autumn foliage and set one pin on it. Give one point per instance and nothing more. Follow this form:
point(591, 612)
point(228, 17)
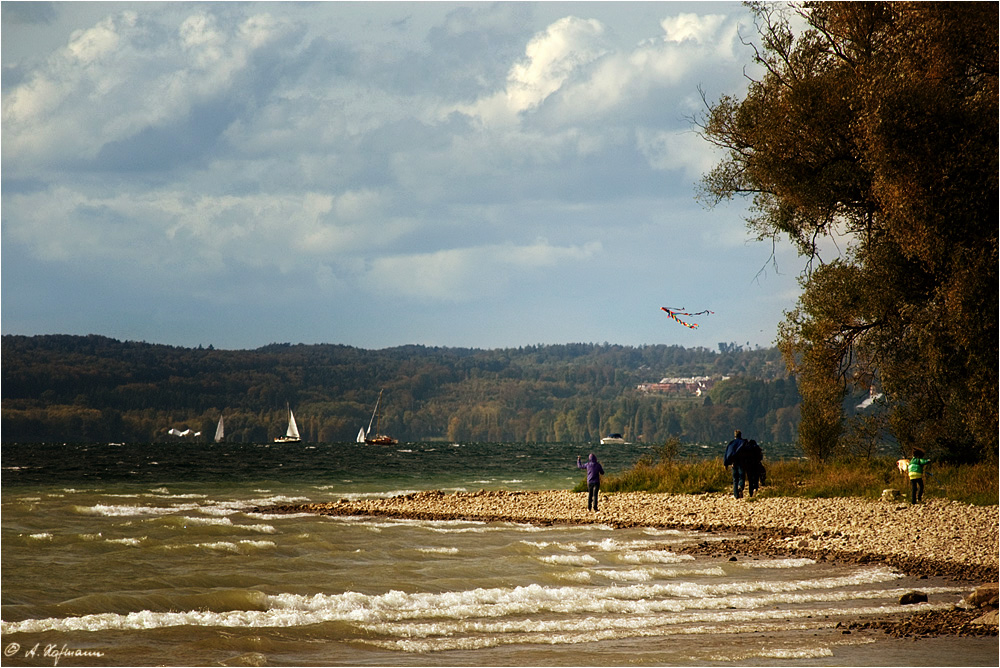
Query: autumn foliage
point(870, 141)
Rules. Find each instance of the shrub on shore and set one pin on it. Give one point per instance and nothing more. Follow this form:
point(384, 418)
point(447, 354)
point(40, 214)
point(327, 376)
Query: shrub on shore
point(976, 484)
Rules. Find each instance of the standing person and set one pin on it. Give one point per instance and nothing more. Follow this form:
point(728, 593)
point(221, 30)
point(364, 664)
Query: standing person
point(917, 464)
point(752, 458)
point(731, 459)
point(594, 473)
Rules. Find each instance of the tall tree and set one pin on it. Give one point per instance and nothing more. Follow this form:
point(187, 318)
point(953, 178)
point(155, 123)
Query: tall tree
point(876, 127)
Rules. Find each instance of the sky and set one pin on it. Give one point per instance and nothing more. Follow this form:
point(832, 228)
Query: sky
point(375, 174)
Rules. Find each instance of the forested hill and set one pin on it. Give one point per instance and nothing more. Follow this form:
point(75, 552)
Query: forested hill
point(92, 388)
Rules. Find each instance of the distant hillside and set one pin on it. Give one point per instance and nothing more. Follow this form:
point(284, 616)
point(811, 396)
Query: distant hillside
point(92, 388)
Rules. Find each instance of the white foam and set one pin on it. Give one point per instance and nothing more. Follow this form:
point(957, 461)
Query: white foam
point(776, 563)
point(226, 522)
point(545, 544)
point(284, 516)
point(438, 550)
point(653, 557)
point(799, 653)
point(653, 531)
point(237, 547)
point(648, 574)
point(506, 614)
point(128, 511)
point(131, 542)
point(45, 535)
point(569, 559)
point(442, 636)
point(614, 545)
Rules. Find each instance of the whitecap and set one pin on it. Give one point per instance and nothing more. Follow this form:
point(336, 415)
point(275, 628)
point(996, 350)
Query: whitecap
point(122, 510)
point(226, 522)
point(618, 612)
point(653, 557)
point(569, 559)
point(545, 544)
point(438, 550)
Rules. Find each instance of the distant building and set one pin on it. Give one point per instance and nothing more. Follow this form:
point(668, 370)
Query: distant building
point(691, 386)
point(872, 397)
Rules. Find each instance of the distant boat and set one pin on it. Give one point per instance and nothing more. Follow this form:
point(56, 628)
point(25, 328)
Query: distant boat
point(613, 439)
point(220, 431)
point(292, 433)
point(378, 439)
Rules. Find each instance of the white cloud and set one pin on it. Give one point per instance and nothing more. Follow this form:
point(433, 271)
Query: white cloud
point(551, 58)
point(172, 228)
point(692, 27)
point(464, 274)
point(87, 46)
point(119, 77)
point(573, 74)
point(682, 150)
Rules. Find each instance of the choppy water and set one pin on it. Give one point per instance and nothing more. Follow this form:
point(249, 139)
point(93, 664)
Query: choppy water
point(145, 555)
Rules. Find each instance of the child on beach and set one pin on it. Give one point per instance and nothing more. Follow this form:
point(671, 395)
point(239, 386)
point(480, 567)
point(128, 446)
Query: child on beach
point(916, 470)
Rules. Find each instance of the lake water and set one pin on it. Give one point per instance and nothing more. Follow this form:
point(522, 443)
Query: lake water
point(146, 555)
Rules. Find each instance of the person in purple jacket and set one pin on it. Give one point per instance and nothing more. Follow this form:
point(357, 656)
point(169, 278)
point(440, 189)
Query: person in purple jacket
point(594, 473)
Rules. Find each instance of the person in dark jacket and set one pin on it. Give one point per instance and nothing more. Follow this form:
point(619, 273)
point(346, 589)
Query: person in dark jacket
point(733, 459)
point(594, 473)
point(752, 458)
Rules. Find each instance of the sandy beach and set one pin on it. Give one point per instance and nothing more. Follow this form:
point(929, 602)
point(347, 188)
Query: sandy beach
point(937, 537)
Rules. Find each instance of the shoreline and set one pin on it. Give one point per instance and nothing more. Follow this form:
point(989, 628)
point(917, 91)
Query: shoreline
point(937, 537)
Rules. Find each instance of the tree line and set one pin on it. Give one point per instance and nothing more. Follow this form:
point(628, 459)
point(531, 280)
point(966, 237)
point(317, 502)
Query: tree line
point(93, 388)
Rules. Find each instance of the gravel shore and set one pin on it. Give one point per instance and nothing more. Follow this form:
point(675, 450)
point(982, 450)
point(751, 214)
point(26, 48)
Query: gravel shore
point(937, 537)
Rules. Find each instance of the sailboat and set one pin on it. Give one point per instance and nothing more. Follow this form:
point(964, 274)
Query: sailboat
point(220, 431)
point(377, 439)
point(292, 433)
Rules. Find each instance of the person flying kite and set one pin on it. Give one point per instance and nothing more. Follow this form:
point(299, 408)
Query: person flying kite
point(674, 312)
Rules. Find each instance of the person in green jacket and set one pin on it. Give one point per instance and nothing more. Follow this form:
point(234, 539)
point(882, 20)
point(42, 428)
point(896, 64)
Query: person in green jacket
point(917, 464)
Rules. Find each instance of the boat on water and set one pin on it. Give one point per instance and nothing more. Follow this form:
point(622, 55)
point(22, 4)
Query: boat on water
point(220, 431)
point(613, 439)
point(365, 436)
point(292, 433)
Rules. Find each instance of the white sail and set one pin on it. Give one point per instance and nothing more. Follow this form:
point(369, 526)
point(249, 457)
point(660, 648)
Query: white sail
point(361, 435)
point(293, 429)
point(220, 431)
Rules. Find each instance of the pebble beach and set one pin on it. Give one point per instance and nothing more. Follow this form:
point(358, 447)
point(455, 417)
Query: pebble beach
point(937, 537)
